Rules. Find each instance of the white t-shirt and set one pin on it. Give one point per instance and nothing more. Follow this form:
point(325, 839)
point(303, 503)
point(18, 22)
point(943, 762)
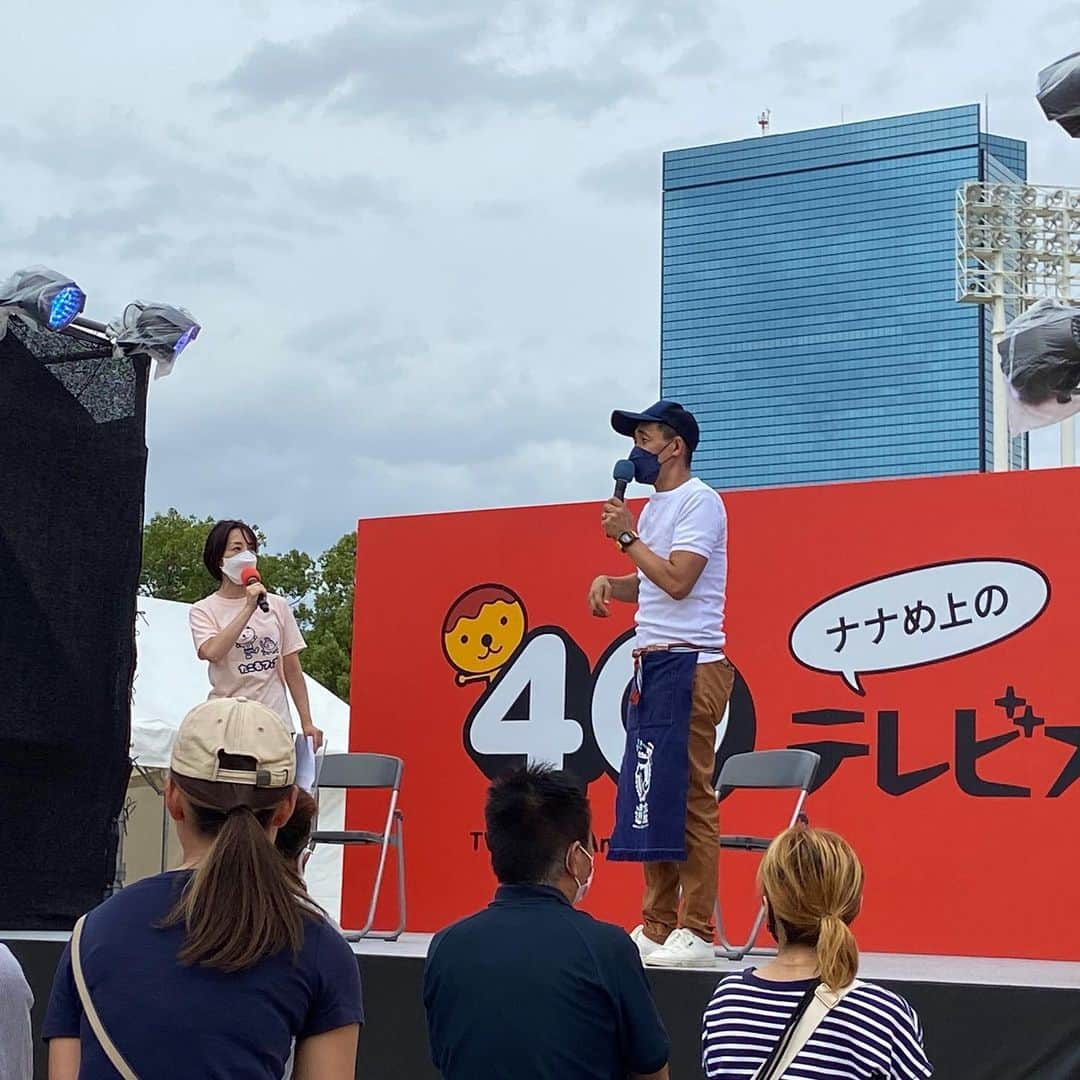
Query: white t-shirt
point(253, 668)
point(689, 518)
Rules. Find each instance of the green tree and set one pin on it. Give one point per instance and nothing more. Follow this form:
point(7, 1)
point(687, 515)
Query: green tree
point(321, 593)
point(172, 566)
point(328, 657)
point(293, 575)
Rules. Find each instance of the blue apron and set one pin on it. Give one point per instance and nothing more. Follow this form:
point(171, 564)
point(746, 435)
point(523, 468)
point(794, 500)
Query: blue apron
point(650, 807)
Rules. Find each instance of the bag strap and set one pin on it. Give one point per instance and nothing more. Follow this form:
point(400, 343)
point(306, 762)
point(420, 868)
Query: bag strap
point(114, 1055)
point(804, 1022)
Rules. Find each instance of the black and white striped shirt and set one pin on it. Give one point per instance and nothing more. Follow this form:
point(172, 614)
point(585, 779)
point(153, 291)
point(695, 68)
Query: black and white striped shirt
point(872, 1033)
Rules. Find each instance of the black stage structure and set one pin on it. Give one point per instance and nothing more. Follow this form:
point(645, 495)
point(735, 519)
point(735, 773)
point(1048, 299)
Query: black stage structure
point(72, 475)
point(983, 1019)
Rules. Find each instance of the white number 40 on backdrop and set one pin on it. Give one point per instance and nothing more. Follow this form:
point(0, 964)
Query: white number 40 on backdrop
point(547, 706)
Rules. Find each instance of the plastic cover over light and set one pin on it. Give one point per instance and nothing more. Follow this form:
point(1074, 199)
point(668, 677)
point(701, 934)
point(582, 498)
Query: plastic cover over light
point(158, 331)
point(1040, 358)
point(43, 296)
point(1059, 93)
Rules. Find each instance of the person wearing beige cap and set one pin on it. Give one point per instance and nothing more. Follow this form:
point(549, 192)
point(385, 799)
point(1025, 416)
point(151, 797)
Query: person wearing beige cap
point(214, 969)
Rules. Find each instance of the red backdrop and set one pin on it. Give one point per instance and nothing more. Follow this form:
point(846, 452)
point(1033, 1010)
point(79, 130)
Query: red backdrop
point(956, 774)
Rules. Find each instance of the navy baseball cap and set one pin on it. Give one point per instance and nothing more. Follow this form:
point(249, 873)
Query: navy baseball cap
point(680, 420)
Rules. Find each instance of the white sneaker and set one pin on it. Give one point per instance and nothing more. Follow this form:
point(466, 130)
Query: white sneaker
point(646, 945)
point(683, 949)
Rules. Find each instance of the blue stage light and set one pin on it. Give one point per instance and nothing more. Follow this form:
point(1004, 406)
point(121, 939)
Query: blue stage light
point(188, 336)
point(66, 304)
point(159, 332)
point(43, 296)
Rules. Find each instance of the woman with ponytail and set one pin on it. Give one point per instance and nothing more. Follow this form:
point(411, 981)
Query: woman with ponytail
point(212, 970)
point(811, 884)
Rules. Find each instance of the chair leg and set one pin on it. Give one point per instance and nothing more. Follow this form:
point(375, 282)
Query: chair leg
point(400, 928)
point(726, 950)
point(737, 952)
point(395, 839)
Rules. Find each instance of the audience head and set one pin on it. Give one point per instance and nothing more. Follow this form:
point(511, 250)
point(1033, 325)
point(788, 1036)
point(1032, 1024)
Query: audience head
point(230, 789)
point(539, 830)
point(812, 883)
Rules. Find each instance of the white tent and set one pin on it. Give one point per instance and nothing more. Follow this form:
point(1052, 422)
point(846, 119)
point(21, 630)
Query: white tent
point(170, 679)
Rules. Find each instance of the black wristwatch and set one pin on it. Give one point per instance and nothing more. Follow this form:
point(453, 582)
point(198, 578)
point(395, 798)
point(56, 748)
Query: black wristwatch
point(625, 539)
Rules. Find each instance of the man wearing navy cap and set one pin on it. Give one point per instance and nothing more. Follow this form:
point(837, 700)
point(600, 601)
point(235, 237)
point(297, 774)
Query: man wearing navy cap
point(665, 815)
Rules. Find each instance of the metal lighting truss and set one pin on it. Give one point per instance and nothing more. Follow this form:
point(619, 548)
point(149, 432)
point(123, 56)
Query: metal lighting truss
point(1016, 244)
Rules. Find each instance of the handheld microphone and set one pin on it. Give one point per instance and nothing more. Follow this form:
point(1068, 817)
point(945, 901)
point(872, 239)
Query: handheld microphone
point(247, 576)
point(623, 474)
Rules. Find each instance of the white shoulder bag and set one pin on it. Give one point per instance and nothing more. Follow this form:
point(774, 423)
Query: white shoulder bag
point(114, 1055)
point(795, 1036)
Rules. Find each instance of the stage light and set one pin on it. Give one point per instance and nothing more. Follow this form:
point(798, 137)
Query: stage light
point(160, 332)
point(43, 296)
point(66, 304)
point(186, 338)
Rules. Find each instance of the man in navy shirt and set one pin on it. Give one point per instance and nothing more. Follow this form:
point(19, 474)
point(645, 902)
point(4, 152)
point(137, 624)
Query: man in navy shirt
point(530, 988)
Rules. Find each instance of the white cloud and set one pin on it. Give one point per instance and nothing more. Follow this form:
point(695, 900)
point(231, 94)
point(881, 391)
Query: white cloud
point(423, 240)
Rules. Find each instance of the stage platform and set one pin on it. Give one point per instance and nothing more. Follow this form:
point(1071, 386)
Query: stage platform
point(985, 1019)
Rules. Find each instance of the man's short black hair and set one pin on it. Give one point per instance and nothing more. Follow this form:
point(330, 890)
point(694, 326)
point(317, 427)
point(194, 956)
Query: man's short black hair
point(218, 540)
point(669, 433)
point(533, 815)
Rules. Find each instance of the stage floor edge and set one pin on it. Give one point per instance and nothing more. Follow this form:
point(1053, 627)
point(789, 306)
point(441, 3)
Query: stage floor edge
point(984, 1018)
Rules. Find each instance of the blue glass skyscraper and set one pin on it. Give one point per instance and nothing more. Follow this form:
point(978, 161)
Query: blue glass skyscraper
point(809, 301)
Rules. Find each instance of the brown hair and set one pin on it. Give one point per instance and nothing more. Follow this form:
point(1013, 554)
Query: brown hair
point(293, 836)
point(243, 903)
point(813, 882)
point(469, 604)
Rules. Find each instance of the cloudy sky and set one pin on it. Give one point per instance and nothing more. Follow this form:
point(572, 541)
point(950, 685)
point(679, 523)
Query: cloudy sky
point(422, 236)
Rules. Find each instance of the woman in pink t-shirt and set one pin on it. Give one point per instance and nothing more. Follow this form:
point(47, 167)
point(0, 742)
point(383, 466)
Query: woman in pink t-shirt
point(252, 653)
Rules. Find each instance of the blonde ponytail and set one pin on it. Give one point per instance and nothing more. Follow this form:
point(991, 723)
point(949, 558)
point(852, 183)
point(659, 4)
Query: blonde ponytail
point(813, 882)
point(837, 953)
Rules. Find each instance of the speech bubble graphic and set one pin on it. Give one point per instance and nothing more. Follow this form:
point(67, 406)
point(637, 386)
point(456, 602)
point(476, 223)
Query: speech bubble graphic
point(919, 616)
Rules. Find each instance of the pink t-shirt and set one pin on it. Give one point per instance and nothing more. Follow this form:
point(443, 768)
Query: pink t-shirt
point(253, 667)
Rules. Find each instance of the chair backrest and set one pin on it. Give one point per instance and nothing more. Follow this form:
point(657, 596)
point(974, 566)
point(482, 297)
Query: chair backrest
point(361, 771)
point(769, 769)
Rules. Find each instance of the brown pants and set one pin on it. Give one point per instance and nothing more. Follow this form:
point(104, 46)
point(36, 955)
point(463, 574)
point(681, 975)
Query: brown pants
point(695, 878)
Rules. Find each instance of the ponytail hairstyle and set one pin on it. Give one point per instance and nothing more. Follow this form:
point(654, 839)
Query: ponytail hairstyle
point(243, 902)
point(293, 837)
point(813, 882)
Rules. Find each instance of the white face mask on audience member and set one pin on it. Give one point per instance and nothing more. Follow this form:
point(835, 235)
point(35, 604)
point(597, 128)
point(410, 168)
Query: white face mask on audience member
point(577, 850)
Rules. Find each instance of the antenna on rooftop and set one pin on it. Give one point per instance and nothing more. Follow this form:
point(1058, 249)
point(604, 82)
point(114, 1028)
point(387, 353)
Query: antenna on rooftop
point(763, 121)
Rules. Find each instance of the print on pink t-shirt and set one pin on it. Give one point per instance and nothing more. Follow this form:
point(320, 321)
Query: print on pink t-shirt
point(253, 668)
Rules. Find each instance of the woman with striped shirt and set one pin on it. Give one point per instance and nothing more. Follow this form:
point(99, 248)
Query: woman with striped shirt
point(811, 882)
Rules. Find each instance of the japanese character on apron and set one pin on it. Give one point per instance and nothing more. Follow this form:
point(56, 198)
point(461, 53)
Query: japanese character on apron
point(650, 806)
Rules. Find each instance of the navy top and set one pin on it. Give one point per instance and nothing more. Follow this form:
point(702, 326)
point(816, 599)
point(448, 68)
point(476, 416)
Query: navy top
point(171, 1020)
point(532, 989)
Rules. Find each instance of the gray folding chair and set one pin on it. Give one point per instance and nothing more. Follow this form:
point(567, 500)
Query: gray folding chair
point(370, 772)
point(778, 769)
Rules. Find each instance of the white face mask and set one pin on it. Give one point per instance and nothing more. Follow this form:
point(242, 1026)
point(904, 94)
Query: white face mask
point(582, 886)
point(233, 566)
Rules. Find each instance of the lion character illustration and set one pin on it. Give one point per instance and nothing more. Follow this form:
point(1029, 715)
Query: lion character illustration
point(481, 631)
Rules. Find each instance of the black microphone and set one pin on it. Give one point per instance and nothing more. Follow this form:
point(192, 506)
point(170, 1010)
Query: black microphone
point(623, 474)
point(247, 576)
